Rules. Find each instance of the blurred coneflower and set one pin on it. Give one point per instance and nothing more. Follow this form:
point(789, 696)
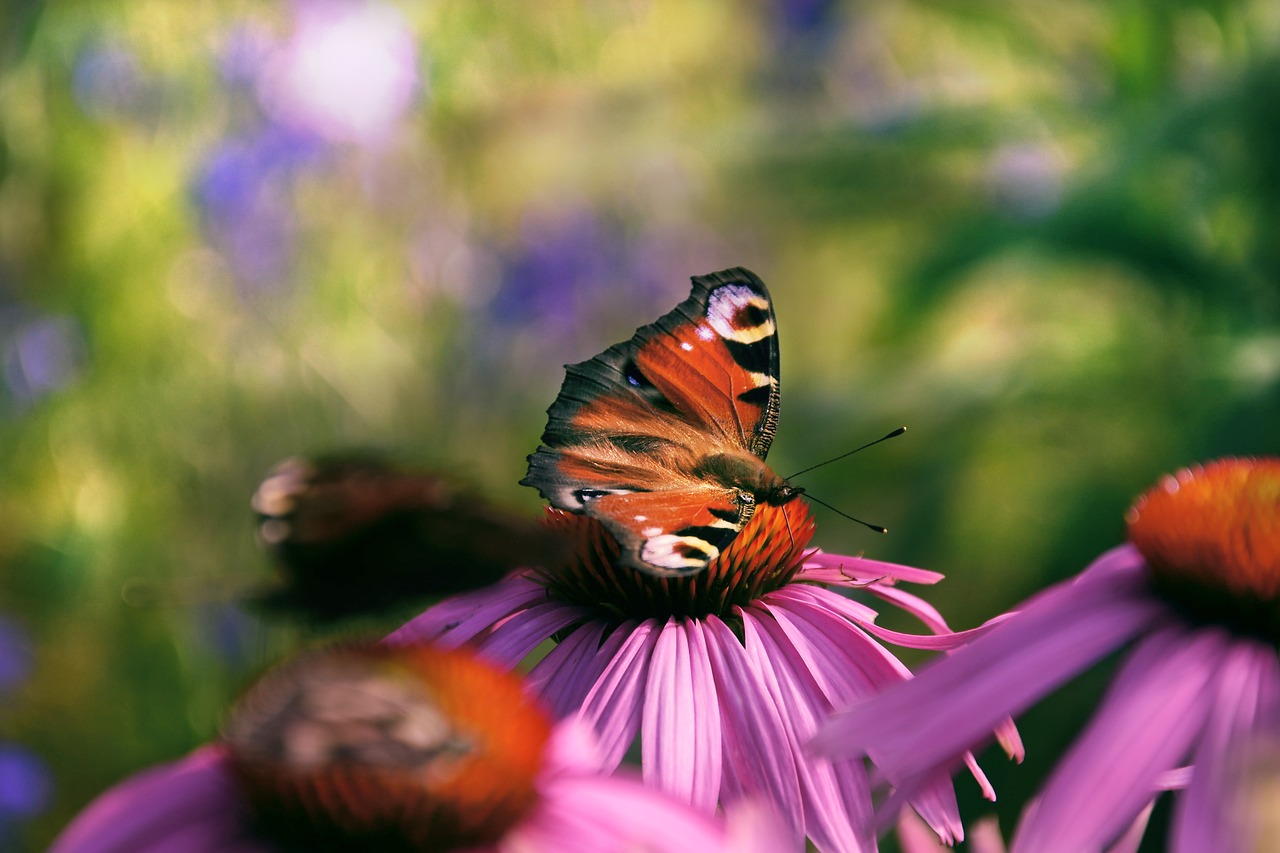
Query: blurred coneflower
point(381, 748)
point(1197, 593)
point(724, 675)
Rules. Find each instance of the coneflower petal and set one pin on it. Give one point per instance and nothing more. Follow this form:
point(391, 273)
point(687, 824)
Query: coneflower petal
point(680, 736)
point(525, 634)
point(1147, 723)
point(456, 620)
point(1248, 684)
point(757, 760)
point(613, 705)
point(838, 570)
point(568, 672)
point(837, 800)
point(1000, 674)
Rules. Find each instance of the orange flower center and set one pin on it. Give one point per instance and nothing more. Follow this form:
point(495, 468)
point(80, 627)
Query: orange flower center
point(1211, 538)
point(763, 557)
point(410, 748)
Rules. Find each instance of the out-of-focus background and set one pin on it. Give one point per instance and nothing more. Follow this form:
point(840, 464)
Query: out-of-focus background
point(1045, 237)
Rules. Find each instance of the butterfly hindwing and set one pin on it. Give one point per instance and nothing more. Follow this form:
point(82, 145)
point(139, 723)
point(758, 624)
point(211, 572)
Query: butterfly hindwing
point(672, 532)
point(645, 421)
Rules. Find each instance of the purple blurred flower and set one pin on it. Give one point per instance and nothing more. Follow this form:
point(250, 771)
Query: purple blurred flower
point(243, 53)
point(41, 355)
point(15, 654)
point(107, 81)
point(1025, 180)
point(25, 784)
point(573, 268)
point(244, 189)
point(563, 262)
point(449, 751)
point(1196, 593)
point(724, 675)
point(348, 73)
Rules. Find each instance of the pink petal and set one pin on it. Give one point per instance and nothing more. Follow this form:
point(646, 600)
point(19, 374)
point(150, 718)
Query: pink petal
point(1154, 709)
point(511, 641)
point(456, 620)
point(758, 761)
point(956, 702)
point(837, 795)
point(573, 748)
point(851, 653)
point(846, 672)
point(820, 596)
point(192, 804)
point(613, 706)
point(985, 837)
point(936, 642)
point(1131, 839)
point(680, 732)
point(565, 676)
point(593, 813)
point(753, 827)
point(915, 836)
point(913, 604)
point(1206, 816)
point(839, 570)
point(853, 669)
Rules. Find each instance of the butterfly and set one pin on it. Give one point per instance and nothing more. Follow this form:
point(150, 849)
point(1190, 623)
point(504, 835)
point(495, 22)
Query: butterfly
point(663, 438)
point(354, 535)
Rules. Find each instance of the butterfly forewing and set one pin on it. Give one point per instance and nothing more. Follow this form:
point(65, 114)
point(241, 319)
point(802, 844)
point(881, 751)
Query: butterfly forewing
point(629, 437)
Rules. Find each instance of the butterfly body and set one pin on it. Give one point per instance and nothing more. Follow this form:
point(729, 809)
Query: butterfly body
point(663, 437)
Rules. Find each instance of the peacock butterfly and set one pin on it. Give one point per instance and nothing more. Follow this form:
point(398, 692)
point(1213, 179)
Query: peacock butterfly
point(662, 438)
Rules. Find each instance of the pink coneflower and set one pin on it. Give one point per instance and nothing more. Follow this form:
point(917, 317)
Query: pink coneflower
point(380, 748)
point(724, 675)
point(1196, 591)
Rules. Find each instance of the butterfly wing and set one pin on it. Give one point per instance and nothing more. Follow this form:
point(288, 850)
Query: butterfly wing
point(635, 422)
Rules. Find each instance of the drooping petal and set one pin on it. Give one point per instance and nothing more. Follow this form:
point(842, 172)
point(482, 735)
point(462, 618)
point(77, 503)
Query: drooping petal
point(758, 761)
point(998, 675)
point(594, 813)
point(821, 597)
point(564, 677)
point(1131, 839)
point(837, 795)
point(456, 620)
point(680, 733)
point(1206, 815)
point(613, 705)
point(850, 668)
point(1156, 706)
point(911, 603)
point(753, 827)
point(510, 641)
point(839, 570)
point(573, 748)
point(192, 804)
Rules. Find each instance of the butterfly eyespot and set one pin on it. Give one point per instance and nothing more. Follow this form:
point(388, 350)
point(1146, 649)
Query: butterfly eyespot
point(584, 495)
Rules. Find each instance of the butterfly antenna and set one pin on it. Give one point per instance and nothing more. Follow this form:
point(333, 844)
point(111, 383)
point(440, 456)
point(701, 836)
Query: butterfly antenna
point(895, 433)
point(877, 528)
point(791, 537)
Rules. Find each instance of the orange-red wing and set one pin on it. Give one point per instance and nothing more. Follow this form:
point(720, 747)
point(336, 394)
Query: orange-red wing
point(635, 422)
point(671, 532)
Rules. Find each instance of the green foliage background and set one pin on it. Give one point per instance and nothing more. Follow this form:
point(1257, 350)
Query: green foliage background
point(1045, 237)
